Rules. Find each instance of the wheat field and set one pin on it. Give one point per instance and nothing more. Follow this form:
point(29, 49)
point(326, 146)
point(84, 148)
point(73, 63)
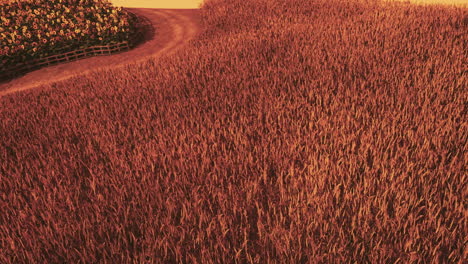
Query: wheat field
point(289, 131)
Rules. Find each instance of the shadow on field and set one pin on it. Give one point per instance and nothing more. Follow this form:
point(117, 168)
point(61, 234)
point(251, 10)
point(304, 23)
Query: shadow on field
point(146, 26)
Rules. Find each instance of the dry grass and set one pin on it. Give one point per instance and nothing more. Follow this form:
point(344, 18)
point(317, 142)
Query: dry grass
point(291, 131)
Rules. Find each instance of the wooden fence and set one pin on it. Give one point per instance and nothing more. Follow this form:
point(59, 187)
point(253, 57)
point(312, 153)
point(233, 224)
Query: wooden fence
point(144, 26)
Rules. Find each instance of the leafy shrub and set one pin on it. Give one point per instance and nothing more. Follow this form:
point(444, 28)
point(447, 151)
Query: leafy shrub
point(32, 29)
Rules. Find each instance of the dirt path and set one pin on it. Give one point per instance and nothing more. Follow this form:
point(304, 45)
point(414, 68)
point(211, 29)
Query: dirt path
point(173, 29)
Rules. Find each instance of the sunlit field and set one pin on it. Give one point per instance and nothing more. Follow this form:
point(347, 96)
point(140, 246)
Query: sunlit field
point(445, 2)
point(158, 3)
point(289, 131)
point(449, 2)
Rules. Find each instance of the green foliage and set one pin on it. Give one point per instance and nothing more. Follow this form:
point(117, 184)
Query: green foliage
point(31, 29)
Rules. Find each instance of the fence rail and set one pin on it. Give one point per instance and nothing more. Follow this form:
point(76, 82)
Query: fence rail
point(143, 26)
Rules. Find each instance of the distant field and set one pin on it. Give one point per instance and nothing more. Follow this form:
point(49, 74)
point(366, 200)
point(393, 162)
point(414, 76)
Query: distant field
point(289, 131)
point(158, 3)
point(449, 2)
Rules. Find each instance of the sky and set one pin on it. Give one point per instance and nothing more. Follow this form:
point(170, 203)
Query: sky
point(196, 3)
point(158, 3)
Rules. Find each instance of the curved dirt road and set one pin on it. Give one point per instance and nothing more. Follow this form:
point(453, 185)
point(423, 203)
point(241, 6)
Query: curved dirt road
point(173, 29)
